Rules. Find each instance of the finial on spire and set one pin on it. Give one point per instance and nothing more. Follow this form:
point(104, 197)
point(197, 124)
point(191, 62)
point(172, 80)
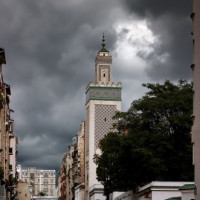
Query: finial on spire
point(103, 41)
point(103, 49)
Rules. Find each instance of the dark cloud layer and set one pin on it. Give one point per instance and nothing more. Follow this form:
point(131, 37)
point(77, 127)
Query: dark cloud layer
point(170, 22)
point(50, 49)
point(158, 8)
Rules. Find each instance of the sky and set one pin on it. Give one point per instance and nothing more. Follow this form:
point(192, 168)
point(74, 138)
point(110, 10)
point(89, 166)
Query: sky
point(51, 46)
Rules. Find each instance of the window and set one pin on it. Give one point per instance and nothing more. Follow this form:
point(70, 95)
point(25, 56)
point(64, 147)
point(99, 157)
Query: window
point(104, 75)
point(45, 181)
point(10, 151)
point(32, 175)
point(45, 189)
point(46, 175)
point(10, 167)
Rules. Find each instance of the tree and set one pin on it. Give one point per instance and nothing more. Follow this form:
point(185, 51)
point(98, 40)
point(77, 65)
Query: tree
point(108, 162)
point(41, 193)
point(152, 141)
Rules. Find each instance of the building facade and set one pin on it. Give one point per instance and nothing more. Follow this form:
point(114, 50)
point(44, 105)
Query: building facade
point(103, 100)
point(79, 163)
point(8, 140)
point(196, 99)
point(69, 180)
point(41, 181)
point(23, 191)
point(78, 157)
point(62, 182)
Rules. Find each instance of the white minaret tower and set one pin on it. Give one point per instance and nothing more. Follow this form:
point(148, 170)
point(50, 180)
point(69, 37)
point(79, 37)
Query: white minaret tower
point(196, 99)
point(103, 99)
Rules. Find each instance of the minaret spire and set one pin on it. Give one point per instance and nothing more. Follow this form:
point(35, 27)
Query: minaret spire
point(103, 41)
point(103, 49)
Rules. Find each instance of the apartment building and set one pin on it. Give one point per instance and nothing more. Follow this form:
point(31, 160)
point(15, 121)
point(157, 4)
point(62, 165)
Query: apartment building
point(13, 152)
point(8, 140)
point(62, 180)
point(41, 180)
point(78, 165)
point(72, 170)
point(69, 175)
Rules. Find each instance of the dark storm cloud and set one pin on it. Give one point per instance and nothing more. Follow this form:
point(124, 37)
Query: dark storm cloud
point(159, 8)
point(50, 50)
point(170, 22)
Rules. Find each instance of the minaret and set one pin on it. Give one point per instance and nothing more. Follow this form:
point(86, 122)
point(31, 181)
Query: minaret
point(103, 100)
point(196, 99)
point(103, 65)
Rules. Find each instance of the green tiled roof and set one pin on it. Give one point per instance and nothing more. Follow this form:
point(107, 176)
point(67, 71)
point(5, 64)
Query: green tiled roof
point(103, 50)
point(174, 198)
point(187, 187)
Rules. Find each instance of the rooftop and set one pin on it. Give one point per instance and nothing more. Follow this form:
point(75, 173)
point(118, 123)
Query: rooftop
point(187, 187)
point(174, 198)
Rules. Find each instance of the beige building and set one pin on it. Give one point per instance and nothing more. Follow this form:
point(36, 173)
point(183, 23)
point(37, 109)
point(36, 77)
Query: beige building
point(62, 178)
point(8, 140)
point(72, 170)
point(5, 118)
point(79, 163)
point(79, 156)
point(69, 175)
point(41, 180)
point(13, 152)
point(196, 102)
point(23, 192)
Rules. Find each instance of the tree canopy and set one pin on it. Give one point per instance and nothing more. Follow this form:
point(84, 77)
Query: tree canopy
point(152, 141)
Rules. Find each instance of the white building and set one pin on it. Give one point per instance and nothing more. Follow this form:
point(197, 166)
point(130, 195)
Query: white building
point(103, 100)
point(41, 180)
point(13, 152)
point(160, 190)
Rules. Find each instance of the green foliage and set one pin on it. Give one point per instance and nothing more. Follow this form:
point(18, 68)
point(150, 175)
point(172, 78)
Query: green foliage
point(153, 140)
point(41, 194)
